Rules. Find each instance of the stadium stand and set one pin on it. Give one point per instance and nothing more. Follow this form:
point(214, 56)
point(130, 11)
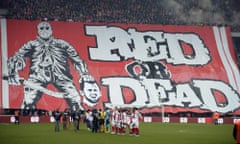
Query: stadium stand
point(178, 12)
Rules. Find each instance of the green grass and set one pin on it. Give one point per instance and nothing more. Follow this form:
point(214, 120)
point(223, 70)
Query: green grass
point(150, 133)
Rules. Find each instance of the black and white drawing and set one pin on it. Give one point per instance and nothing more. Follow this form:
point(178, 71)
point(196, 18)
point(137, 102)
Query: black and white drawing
point(48, 65)
point(91, 92)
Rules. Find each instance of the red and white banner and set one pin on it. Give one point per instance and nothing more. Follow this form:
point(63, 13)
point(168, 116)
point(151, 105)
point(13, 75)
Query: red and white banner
point(183, 68)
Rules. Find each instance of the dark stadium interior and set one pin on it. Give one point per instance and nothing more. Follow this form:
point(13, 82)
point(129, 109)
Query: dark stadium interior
point(178, 12)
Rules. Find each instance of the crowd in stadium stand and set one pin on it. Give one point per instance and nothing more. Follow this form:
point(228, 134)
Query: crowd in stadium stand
point(179, 12)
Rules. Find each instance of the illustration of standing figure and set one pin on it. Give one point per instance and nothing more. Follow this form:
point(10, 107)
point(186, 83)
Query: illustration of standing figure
point(48, 65)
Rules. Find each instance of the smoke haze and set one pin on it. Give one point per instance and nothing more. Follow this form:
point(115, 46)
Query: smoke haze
point(204, 11)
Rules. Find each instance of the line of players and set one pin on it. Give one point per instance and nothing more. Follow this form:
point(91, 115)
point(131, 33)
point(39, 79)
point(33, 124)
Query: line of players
point(115, 120)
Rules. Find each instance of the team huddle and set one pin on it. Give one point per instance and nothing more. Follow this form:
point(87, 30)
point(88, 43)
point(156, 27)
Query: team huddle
point(114, 121)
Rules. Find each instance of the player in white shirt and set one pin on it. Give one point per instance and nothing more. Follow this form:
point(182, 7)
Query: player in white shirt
point(122, 122)
point(134, 123)
point(114, 120)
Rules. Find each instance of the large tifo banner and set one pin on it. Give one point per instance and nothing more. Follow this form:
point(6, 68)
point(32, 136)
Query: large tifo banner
point(57, 65)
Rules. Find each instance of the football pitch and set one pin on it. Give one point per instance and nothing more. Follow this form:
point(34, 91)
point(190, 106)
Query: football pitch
point(150, 133)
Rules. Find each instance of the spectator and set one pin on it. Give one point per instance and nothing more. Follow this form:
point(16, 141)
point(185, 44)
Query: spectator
point(65, 119)
point(57, 117)
point(76, 115)
point(17, 117)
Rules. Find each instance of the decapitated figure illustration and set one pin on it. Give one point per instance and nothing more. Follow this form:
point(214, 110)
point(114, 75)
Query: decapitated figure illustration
point(91, 92)
point(48, 65)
